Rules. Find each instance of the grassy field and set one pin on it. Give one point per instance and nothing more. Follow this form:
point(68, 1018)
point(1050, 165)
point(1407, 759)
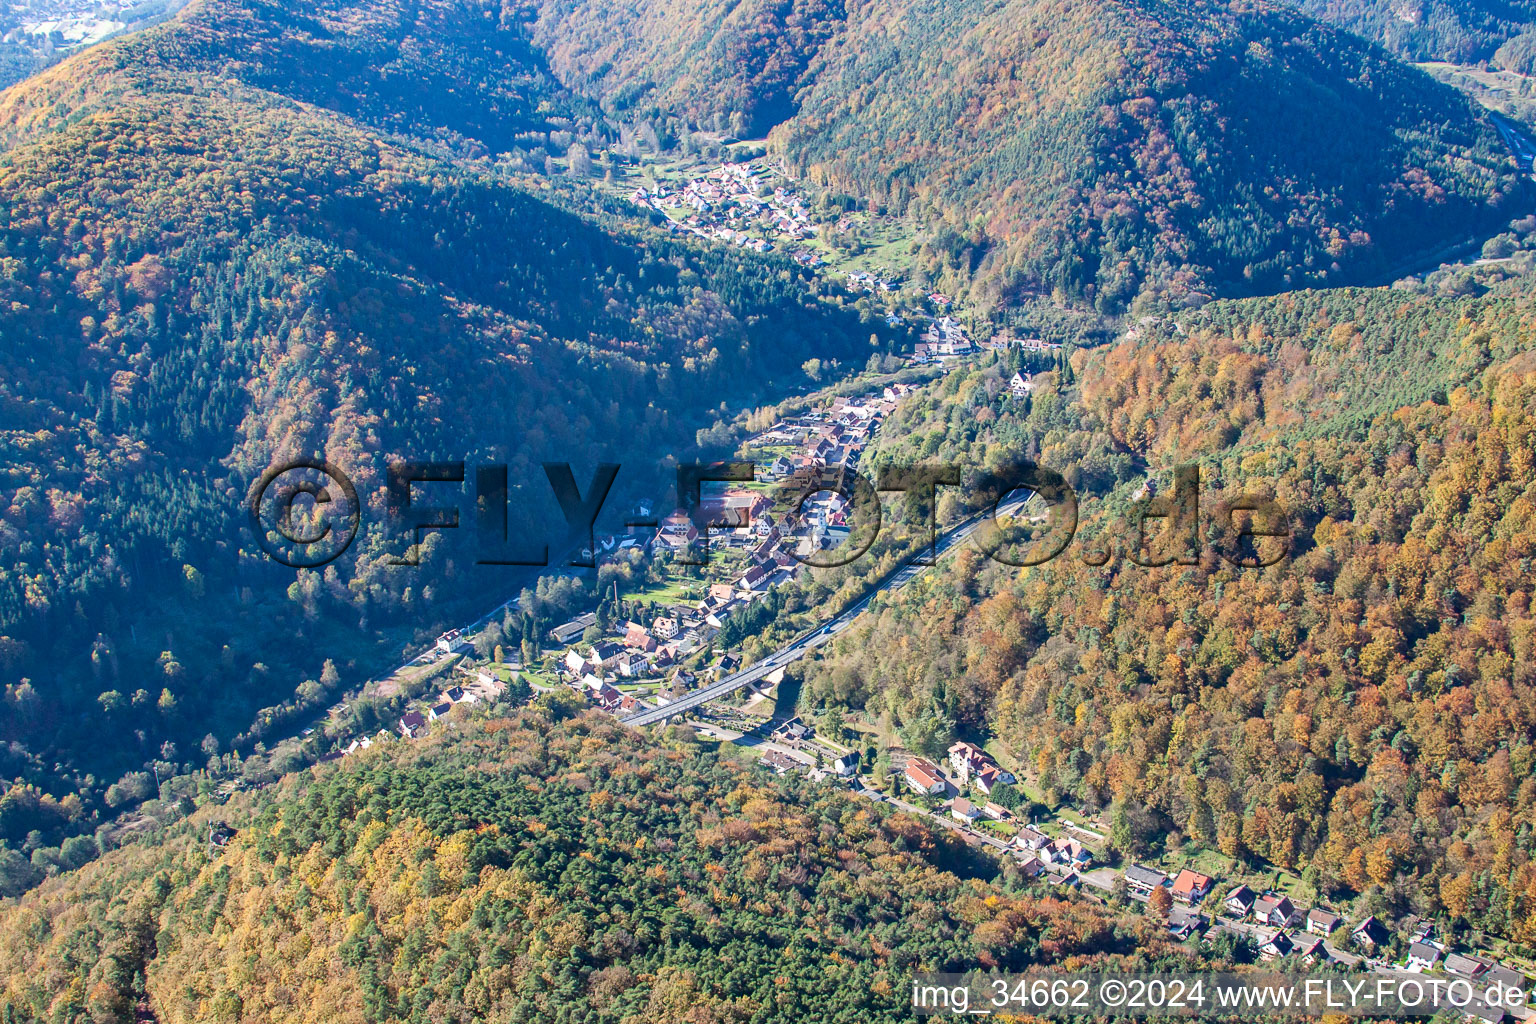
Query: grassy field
point(407, 680)
point(1207, 862)
point(1006, 760)
point(1067, 814)
point(1031, 791)
point(676, 590)
point(1292, 885)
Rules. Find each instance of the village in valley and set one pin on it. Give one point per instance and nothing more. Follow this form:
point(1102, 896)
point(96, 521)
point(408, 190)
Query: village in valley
point(706, 571)
point(744, 204)
point(751, 544)
point(755, 542)
point(753, 204)
point(624, 665)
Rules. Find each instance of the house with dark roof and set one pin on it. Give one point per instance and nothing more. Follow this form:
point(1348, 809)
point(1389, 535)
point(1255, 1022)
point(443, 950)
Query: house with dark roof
point(1506, 977)
point(604, 654)
point(754, 578)
point(1274, 910)
point(1322, 922)
point(1184, 922)
point(794, 731)
point(1464, 966)
point(571, 631)
point(1483, 1012)
point(778, 469)
point(1239, 901)
point(1031, 839)
point(1370, 933)
point(1279, 945)
point(412, 724)
point(1144, 880)
point(779, 761)
point(1422, 956)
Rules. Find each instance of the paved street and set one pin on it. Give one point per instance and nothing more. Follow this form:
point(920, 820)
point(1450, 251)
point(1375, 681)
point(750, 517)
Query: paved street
point(808, 642)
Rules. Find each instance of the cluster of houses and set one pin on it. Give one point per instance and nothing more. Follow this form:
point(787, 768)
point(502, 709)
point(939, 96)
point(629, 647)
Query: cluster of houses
point(1001, 342)
point(798, 734)
point(1283, 929)
point(414, 722)
point(1290, 930)
point(807, 258)
point(474, 686)
point(1188, 886)
point(971, 765)
point(731, 203)
point(1426, 952)
point(1059, 859)
point(744, 519)
point(775, 542)
point(864, 281)
point(946, 338)
point(817, 442)
point(641, 652)
point(747, 204)
point(974, 766)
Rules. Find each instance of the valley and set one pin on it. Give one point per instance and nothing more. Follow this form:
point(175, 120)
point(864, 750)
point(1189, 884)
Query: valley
point(1257, 281)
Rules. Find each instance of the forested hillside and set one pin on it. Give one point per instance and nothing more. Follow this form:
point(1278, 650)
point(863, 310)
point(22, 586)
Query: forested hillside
point(203, 274)
point(1360, 713)
point(1098, 149)
point(522, 871)
point(1463, 31)
point(729, 65)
